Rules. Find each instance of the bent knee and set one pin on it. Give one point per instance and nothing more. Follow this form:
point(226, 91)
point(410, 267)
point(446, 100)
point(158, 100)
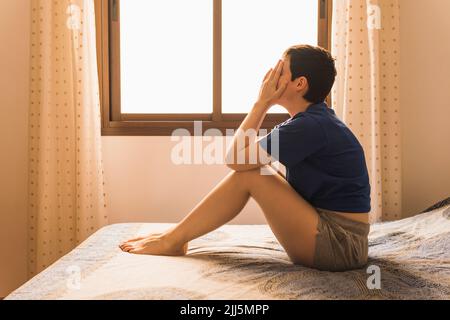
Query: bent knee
point(254, 177)
point(243, 174)
point(260, 171)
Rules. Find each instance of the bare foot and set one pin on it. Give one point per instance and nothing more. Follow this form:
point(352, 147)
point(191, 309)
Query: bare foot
point(155, 244)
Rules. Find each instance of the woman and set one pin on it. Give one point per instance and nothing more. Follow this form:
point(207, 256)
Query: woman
point(319, 212)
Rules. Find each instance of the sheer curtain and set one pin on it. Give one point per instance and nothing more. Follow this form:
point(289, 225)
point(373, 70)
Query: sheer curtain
point(66, 197)
point(365, 43)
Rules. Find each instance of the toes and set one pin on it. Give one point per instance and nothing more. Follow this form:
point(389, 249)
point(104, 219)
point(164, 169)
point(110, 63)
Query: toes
point(133, 241)
point(127, 247)
point(135, 250)
point(123, 244)
point(130, 243)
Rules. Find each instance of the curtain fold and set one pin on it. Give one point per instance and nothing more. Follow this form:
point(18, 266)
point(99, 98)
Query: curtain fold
point(67, 202)
point(365, 43)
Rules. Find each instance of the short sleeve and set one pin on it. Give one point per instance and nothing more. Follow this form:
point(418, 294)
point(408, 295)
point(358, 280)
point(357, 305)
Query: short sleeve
point(294, 140)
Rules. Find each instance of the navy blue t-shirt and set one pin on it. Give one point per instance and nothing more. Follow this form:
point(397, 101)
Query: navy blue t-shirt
point(324, 161)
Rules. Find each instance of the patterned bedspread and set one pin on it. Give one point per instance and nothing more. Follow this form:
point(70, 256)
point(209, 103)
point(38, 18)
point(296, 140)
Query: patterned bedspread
point(246, 262)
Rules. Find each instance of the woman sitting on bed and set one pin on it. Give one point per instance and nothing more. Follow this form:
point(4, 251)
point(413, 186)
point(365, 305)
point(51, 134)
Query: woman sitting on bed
point(319, 211)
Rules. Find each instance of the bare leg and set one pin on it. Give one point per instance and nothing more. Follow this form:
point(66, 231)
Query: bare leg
point(292, 219)
point(221, 205)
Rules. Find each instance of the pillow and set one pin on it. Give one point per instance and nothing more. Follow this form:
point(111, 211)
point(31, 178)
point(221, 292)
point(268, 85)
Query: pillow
point(438, 205)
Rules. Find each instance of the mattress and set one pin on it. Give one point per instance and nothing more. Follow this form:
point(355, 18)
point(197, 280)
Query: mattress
point(246, 262)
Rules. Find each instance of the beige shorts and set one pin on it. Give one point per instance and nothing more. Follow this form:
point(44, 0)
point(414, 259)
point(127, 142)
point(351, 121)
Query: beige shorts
point(341, 243)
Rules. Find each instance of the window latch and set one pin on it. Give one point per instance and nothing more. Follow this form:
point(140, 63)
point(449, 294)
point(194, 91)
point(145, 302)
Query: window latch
point(323, 9)
point(114, 15)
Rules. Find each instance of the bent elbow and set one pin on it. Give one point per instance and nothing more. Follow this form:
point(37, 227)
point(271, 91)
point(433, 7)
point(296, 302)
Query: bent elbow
point(229, 161)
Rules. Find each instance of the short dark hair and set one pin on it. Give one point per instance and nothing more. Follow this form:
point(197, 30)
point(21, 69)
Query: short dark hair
point(315, 64)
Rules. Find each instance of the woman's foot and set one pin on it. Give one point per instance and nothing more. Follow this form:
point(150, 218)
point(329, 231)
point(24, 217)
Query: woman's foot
point(154, 244)
point(129, 241)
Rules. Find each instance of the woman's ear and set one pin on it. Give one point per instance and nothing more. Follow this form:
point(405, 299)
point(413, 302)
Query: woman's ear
point(302, 84)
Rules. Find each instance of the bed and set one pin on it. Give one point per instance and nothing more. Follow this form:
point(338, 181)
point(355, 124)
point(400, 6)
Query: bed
point(246, 262)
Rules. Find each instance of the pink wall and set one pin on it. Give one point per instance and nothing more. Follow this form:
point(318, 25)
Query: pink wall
point(14, 71)
point(144, 185)
point(425, 102)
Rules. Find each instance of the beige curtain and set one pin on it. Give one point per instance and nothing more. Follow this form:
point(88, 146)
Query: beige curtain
point(66, 197)
point(365, 42)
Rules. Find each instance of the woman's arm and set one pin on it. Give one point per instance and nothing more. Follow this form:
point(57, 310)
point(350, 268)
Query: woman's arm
point(244, 152)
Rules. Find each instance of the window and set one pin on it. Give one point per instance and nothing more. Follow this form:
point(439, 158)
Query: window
point(164, 64)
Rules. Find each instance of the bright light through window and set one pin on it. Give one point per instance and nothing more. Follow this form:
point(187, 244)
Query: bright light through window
point(166, 51)
point(166, 56)
point(255, 33)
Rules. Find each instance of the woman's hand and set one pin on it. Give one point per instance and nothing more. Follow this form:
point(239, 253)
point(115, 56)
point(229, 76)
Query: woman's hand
point(269, 93)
